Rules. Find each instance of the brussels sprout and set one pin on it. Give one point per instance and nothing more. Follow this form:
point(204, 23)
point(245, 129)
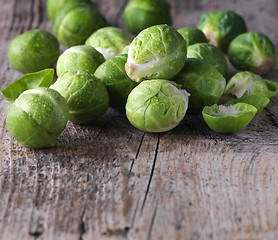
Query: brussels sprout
point(156, 105)
point(76, 22)
point(192, 35)
point(33, 51)
point(221, 27)
point(79, 58)
point(228, 119)
point(42, 78)
point(141, 14)
point(204, 83)
point(53, 7)
point(157, 52)
point(246, 83)
point(257, 101)
point(252, 52)
point(119, 85)
point(210, 54)
point(37, 117)
point(86, 96)
point(109, 41)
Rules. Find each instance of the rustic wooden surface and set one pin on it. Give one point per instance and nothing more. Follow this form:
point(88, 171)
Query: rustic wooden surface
point(109, 180)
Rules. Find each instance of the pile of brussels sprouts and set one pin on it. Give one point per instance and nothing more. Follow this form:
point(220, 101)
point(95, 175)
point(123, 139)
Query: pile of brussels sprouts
point(156, 76)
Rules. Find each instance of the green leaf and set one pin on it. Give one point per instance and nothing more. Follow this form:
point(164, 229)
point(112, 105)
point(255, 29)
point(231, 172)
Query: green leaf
point(257, 101)
point(42, 78)
point(228, 119)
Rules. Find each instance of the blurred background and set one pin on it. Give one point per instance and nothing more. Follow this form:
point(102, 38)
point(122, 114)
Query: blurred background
point(259, 15)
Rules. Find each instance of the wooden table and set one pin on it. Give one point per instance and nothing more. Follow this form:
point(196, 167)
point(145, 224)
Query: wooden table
point(109, 180)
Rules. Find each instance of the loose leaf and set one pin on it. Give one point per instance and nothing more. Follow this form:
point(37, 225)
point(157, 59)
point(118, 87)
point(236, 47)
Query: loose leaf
point(257, 101)
point(42, 78)
point(228, 119)
point(248, 83)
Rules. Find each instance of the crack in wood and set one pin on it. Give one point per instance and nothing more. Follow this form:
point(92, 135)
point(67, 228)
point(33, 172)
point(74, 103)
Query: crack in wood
point(130, 169)
point(151, 175)
point(118, 232)
point(135, 211)
point(272, 117)
point(140, 144)
point(36, 226)
point(82, 229)
point(213, 138)
point(152, 222)
point(136, 155)
point(209, 135)
point(252, 162)
point(36, 234)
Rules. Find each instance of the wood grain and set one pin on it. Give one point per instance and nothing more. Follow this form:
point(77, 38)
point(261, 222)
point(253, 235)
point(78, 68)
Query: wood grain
point(109, 180)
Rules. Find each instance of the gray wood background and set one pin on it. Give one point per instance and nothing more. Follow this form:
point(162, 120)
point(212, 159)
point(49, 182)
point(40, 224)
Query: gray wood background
point(109, 180)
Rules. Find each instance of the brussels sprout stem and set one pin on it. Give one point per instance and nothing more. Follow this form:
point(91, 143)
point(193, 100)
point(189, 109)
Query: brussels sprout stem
point(212, 38)
point(263, 66)
point(137, 71)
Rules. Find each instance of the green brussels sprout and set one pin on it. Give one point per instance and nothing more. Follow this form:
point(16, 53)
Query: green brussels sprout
point(76, 22)
point(156, 105)
point(204, 83)
point(33, 51)
point(109, 41)
point(252, 52)
point(247, 83)
point(85, 94)
point(257, 101)
point(37, 117)
point(53, 7)
point(210, 54)
point(192, 35)
point(141, 14)
point(79, 58)
point(42, 78)
point(228, 119)
point(222, 27)
point(157, 52)
point(119, 85)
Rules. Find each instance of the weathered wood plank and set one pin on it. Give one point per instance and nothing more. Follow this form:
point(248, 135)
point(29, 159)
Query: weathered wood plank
point(109, 180)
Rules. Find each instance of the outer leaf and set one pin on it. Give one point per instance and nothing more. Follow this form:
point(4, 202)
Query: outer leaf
point(257, 101)
point(228, 119)
point(42, 78)
point(248, 83)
